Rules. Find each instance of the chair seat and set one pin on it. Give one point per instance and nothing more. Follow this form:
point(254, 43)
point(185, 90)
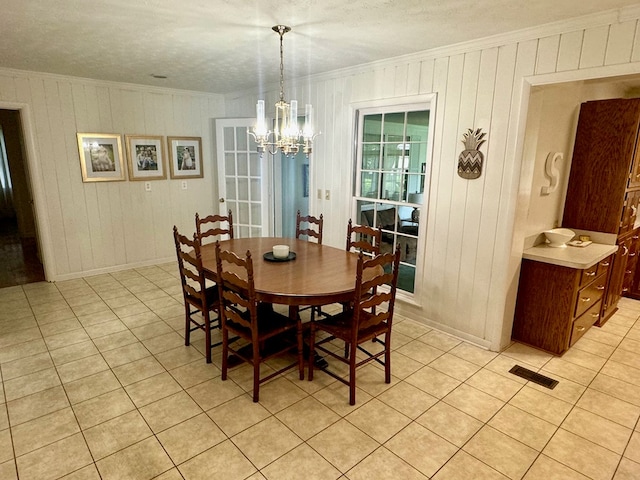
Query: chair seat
point(270, 323)
point(212, 296)
point(340, 326)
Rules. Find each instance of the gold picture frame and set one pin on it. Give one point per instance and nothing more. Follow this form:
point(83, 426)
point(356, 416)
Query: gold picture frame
point(185, 156)
point(101, 157)
point(145, 157)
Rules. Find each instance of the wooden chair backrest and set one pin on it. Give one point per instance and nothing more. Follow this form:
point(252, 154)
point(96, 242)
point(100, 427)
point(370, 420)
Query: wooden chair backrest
point(237, 289)
point(373, 301)
point(204, 230)
point(364, 238)
point(310, 231)
point(192, 275)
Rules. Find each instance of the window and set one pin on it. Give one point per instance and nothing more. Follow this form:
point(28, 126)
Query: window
point(391, 174)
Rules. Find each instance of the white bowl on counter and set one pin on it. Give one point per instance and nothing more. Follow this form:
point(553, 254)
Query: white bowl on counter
point(558, 237)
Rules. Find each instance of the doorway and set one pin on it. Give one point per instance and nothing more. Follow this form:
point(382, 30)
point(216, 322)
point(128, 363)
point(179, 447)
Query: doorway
point(21, 261)
point(292, 187)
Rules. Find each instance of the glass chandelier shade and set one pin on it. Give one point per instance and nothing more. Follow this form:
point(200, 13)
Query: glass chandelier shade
point(286, 135)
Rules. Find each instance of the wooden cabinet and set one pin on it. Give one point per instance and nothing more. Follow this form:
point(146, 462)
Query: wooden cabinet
point(602, 165)
point(603, 194)
point(631, 283)
point(556, 305)
point(614, 287)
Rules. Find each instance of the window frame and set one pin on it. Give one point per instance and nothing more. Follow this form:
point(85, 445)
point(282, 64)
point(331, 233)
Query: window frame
point(404, 105)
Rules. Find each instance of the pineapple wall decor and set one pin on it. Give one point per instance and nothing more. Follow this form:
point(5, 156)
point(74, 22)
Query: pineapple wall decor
point(471, 159)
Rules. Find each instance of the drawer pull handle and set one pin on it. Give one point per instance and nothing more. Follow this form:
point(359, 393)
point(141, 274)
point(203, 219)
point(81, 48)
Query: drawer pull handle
point(627, 272)
point(625, 289)
point(632, 254)
point(595, 315)
point(590, 274)
point(580, 329)
point(600, 287)
point(605, 264)
point(585, 299)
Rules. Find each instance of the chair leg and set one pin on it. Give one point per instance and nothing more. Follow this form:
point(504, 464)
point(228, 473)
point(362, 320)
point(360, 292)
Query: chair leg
point(352, 375)
point(256, 372)
point(387, 358)
point(300, 350)
point(207, 335)
point(187, 324)
point(312, 349)
point(225, 352)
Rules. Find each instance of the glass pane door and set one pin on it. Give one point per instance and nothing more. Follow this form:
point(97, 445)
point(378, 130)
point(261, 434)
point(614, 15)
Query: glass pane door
point(242, 179)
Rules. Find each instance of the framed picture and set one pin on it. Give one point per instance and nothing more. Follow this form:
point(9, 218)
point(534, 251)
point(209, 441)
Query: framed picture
point(145, 157)
point(185, 154)
point(100, 157)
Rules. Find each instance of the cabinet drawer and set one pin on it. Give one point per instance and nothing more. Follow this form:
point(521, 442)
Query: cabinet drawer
point(588, 274)
point(582, 324)
point(590, 295)
point(604, 265)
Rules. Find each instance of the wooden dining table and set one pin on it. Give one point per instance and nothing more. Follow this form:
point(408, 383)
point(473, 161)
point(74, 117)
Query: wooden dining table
point(319, 275)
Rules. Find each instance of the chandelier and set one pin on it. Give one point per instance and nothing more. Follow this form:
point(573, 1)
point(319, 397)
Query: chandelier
point(286, 136)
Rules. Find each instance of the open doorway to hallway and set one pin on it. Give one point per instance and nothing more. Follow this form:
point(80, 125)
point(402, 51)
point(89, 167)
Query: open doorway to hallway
point(19, 259)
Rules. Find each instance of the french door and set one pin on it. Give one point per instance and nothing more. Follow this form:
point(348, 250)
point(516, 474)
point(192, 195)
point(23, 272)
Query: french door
point(243, 179)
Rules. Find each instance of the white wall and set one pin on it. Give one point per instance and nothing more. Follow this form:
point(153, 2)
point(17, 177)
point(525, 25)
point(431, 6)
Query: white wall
point(89, 228)
point(474, 244)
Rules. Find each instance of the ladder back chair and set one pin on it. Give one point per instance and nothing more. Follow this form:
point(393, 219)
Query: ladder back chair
point(313, 230)
point(364, 238)
point(212, 225)
point(264, 332)
point(199, 301)
point(370, 317)
point(313, 226)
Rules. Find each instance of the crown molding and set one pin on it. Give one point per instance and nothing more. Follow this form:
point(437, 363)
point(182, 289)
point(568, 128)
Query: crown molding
point(108, 83)
point(629, 13)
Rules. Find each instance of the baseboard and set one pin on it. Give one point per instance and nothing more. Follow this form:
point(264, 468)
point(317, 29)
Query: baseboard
point(112, 269)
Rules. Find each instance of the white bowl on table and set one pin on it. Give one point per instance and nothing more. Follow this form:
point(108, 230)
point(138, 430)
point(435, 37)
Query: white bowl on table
point(558, 237)
point(280, 251)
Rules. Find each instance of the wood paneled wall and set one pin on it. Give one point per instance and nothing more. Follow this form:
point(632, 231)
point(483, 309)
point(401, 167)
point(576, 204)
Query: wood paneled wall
point(89, 228)
point(473, 241)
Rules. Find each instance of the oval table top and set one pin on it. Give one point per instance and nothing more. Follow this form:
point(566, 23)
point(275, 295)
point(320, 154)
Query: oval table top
point(319, 274)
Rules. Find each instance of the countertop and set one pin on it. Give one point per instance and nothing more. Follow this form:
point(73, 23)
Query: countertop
point(568, 256)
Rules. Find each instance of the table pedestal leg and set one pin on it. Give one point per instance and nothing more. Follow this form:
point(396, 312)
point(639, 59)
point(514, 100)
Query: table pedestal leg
point(295, 316)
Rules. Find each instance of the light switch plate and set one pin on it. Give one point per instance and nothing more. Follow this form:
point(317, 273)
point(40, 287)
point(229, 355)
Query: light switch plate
point(327, 195)
point(147, 186)
point(184, 184)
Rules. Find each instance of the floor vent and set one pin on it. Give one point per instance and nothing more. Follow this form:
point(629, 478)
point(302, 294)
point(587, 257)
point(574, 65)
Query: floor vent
point(532, 376)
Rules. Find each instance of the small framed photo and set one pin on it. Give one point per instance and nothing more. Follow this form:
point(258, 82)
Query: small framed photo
point(185, 154)
point(101, 157)
point(145, 157)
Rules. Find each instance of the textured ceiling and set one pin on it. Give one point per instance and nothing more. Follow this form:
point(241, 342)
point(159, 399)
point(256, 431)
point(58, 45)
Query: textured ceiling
point(222, 46)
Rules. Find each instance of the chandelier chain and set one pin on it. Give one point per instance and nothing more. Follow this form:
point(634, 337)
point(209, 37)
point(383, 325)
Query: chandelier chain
point(281, 31)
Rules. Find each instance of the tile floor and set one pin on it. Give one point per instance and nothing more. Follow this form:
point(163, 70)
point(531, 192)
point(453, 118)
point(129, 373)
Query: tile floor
point(96, 383)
